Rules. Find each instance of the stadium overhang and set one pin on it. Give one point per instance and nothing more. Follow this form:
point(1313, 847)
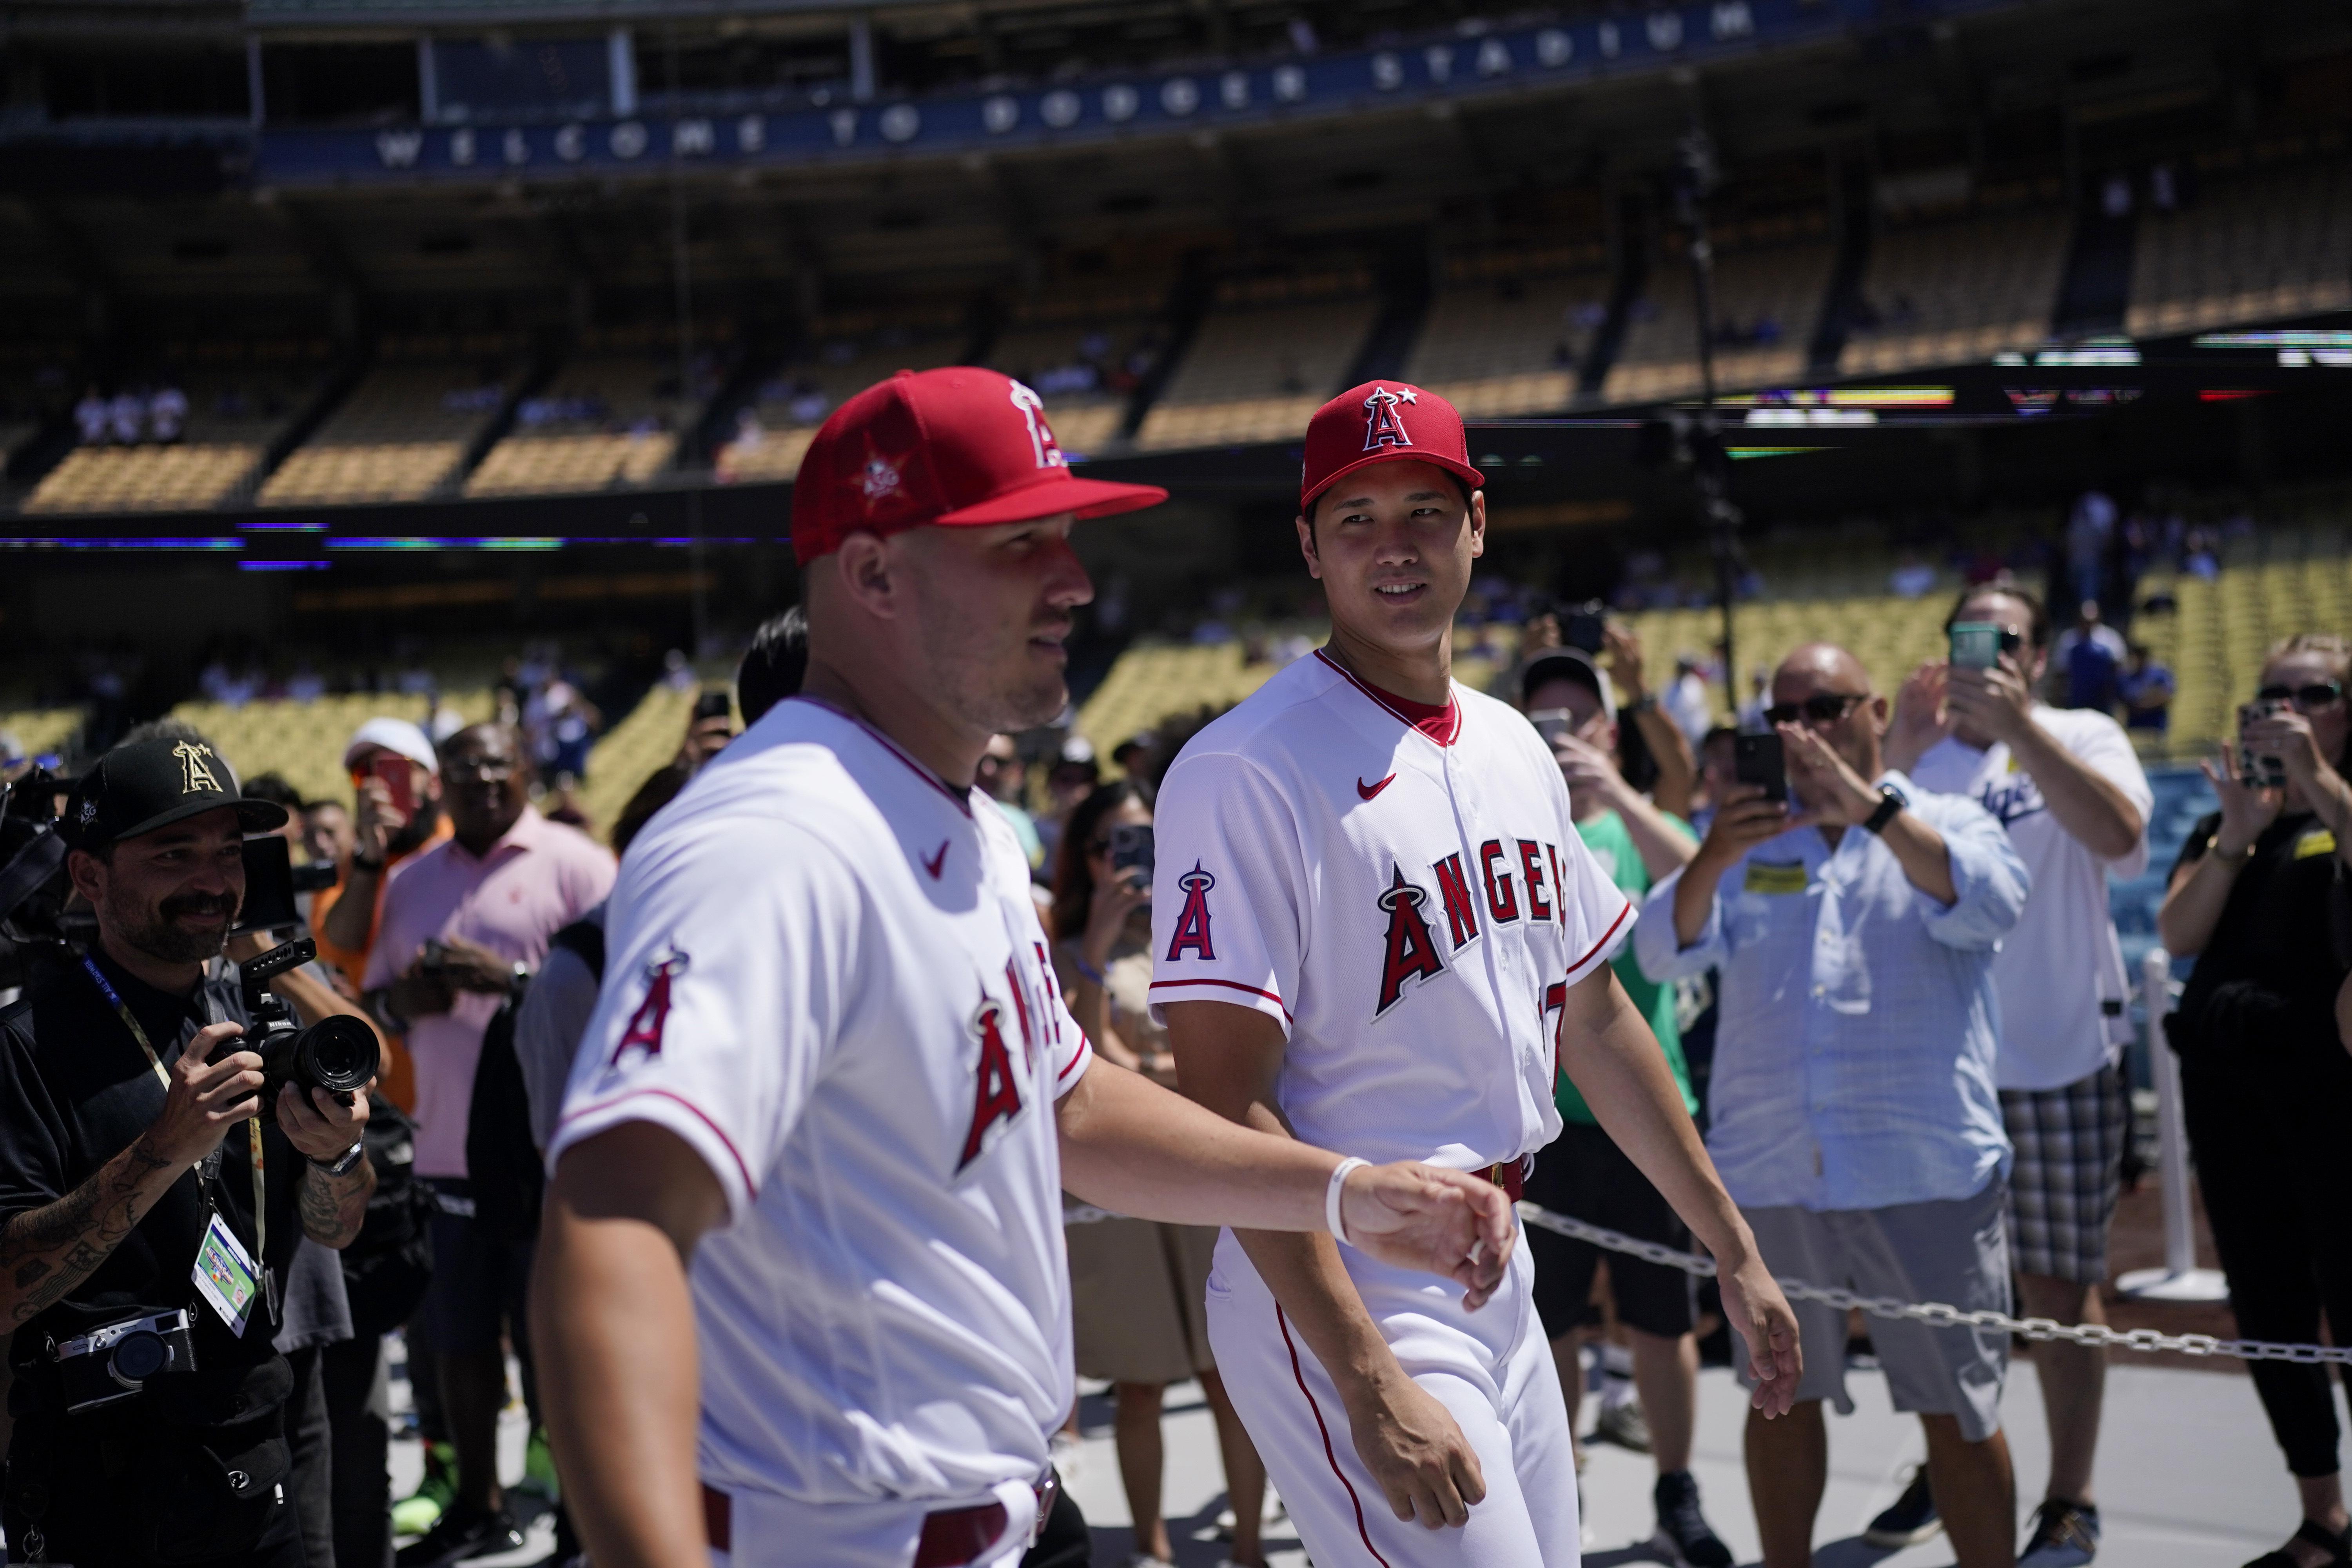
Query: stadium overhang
point(1430, 73)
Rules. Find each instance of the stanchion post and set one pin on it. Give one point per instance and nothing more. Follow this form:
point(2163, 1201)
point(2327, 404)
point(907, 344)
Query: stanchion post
point(2180, 1279)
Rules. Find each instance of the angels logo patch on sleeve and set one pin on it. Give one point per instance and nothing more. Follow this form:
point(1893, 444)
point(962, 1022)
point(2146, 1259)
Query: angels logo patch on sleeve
point(642, 1040)
point(1193, 924)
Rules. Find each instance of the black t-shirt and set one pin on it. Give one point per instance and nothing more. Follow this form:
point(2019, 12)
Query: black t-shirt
point(75, 1091)
point(2264, 987)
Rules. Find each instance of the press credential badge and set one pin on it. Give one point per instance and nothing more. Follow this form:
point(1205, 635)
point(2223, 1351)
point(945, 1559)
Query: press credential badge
point(225, 1277)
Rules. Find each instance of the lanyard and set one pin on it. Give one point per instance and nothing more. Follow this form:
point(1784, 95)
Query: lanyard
point(252, 1125)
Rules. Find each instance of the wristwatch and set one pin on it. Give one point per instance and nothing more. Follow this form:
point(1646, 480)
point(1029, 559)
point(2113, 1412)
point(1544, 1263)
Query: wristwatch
point(1890, 801)
point(342, 1165)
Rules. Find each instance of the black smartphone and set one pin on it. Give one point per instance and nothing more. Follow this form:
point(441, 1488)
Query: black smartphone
point(1131, 849)
point(2258, 771)
point(714, 703)
point(268, 886)
point(1757, 760)
point(1585, 626)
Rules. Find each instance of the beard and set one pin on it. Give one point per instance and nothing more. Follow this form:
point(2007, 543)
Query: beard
point(992, 688)
point(158, 933)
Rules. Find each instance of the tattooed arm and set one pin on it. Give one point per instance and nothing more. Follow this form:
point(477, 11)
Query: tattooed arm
point(44, 1253)
point(324, 1128)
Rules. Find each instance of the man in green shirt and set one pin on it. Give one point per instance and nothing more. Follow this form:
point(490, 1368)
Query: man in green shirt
point(1583, 1174)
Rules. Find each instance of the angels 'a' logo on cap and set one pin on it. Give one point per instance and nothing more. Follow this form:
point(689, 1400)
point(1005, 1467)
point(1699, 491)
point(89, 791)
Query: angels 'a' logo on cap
point(194, 774)
point(1383, 427)
point(1042, 445)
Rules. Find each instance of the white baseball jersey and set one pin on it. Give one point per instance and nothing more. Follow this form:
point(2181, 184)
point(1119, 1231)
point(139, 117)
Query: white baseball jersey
point(1404, 892)
point(827, 978)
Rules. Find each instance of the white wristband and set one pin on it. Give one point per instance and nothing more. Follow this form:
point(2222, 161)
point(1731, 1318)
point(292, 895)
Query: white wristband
point(1331, 1219)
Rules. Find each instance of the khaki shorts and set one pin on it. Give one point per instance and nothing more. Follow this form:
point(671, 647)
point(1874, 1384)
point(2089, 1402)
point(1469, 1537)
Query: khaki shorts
point(1956, 1252)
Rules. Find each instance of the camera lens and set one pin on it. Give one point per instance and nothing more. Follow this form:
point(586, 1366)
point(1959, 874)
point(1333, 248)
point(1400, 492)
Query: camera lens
point(138, 1357)
point(337, 1054)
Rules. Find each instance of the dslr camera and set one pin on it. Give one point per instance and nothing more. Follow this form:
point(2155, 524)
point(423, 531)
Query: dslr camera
point(338, 1054)
point(115, 1362)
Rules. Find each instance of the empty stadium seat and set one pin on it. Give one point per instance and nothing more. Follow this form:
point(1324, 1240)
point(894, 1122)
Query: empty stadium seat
point(1257, 372)
point(613, 423)
point(1956, 290)
point(1496, 351)
point(2253, 245)
point(234, 412)
point(398, 436)
point(1659, 357)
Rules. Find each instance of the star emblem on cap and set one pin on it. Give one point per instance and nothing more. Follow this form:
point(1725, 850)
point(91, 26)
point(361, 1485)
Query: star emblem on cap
point(879, 478)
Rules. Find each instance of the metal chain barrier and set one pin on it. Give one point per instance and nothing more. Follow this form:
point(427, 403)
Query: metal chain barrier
point(1939, 1315)
point(1935, 1314)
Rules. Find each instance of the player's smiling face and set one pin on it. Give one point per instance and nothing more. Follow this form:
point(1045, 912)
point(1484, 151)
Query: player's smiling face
point(1393, 543)
point(993, 607)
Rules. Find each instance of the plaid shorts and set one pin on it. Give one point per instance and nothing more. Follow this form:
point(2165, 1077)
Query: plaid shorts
point(2069, 1171)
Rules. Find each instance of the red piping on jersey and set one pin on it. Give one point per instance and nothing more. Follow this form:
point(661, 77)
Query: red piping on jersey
point(1354, 1502)
point(962, 801)
point(1228, 984)
point(749, 1185)
point(1086, 1049)
point(1605, 935)
point(1441, 726)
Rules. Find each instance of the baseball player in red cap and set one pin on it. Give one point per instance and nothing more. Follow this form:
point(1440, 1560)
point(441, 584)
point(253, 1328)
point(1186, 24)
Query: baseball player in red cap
point(802, 1293)
point(1375, 927)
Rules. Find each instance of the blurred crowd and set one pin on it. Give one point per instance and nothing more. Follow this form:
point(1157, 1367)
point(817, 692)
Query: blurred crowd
point(1960, 1139)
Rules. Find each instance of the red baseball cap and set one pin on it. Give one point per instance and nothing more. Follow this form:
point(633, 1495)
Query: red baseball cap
point(960, 447)
point(1380, 422)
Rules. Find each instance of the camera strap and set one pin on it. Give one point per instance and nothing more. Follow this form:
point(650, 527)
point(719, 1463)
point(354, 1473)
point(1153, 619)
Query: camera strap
point(129, 1020)
point(207, 1170)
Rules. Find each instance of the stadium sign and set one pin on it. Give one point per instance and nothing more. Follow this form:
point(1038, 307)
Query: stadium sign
point(1456, 66)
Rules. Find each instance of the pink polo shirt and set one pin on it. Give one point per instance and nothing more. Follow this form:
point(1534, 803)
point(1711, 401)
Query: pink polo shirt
point(537, 879)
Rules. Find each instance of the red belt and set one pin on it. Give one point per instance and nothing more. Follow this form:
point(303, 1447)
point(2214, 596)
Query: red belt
point(1511, 1175)
point(951, 1538)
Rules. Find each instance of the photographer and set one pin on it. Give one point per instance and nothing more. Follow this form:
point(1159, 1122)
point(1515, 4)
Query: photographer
point(139, 1181)
point(2266, 1084)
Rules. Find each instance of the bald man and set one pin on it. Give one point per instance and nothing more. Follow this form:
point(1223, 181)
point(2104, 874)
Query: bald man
point(1855, 1119)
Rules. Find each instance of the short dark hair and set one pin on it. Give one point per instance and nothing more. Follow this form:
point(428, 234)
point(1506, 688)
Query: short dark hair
point(2037, 618)
point(272, 787)
point(774, 665)
point(1461, 488)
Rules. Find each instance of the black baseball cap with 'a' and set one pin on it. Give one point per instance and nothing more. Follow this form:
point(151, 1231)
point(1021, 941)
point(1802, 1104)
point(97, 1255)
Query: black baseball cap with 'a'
point(138, 788)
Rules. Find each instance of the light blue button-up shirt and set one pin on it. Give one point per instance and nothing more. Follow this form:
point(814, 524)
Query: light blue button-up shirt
point(1854, 1061)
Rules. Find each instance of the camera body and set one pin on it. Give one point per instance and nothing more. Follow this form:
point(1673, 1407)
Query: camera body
point(115, 1362)
point(339, 1054)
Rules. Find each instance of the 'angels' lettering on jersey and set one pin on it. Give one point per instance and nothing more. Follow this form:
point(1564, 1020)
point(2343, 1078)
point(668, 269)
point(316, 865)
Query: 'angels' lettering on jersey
point(1410, 954)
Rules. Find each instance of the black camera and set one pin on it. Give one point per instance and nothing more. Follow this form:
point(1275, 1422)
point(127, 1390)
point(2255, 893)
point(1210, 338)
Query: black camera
point(115, 1362)
point(337, 1054)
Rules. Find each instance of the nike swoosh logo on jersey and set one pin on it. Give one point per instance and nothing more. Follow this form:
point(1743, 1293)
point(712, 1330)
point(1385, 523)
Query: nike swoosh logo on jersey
point(1367, 791)
point(932, 863)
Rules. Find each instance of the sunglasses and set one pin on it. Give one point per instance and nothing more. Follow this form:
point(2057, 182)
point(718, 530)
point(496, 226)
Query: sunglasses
point(1820, 708)
point(2319, 694)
